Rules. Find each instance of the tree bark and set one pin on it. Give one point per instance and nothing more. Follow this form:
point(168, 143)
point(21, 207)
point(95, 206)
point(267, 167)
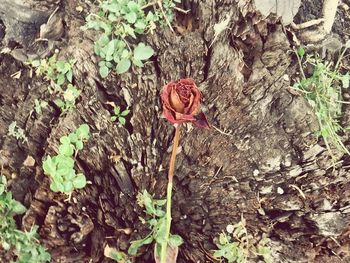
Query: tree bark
point(261, 158)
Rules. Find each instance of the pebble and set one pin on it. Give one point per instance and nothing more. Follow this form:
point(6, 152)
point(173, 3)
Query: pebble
point(280, 190)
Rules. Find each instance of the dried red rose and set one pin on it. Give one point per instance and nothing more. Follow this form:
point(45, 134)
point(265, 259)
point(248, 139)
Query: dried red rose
point(181, 103)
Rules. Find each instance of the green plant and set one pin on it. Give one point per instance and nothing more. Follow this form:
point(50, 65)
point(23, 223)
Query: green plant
point(235, 245)
point(24, 245)
point(56, 70)
point(61, 167)
point(60, 73)
point(119, 115)
point(38, 105)
point(17, 132)
point(323, 91)
point(70, 95)
point(121, 21)
point(115, 254)
point(157, 223)
point(120, 257)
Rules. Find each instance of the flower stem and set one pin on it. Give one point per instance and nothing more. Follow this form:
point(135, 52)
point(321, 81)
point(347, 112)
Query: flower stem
point(169, 194)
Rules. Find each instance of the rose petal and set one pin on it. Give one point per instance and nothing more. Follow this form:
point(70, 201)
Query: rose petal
point(169, 115)
point(176, 102)
point(189, 104)
point(197, 97)
point(165, 94)
point(201, 121)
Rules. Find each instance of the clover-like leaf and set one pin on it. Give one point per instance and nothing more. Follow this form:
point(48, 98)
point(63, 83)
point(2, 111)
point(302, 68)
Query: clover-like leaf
point(79, 145)
point(68, 187)
point(66, 149)
point(123, 66)
point(73, 138)
point(104, 70)
point(143, 52)
point(65, 140)
point(83, 131)
point(49, 166)
point(79, 181)
point(131, 17)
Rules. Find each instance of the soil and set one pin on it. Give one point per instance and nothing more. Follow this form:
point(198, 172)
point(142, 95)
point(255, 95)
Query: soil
point(261, 158)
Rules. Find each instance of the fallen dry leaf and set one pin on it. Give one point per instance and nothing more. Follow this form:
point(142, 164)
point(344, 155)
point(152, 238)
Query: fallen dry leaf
point(171, 254)
point(286, 9)
point(29, 161)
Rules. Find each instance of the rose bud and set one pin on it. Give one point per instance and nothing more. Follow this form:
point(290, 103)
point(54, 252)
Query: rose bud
point(181, 103)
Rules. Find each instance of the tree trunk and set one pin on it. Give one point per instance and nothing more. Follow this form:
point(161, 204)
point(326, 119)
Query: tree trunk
point(261, 158)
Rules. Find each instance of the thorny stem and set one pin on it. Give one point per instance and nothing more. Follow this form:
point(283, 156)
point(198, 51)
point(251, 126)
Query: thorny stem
point(169, 193)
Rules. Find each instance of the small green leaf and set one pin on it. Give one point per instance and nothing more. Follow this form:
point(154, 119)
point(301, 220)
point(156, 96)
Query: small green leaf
point(79, 181)
point(60, 103)
point(70, 175)
point(112, 7)
point(137, 62)
point(56, 187)
point(60, 79)
point(18, 208)
point(160, 202)
point(116, 110)
point(121, 120)
point(66, 149)
point(104, 71)
point(159, 212)
point(124, 113)
point(143, 52)
point(69, 75)
point(113, 118)
point(65, 140)
point(83, 131)
point(175, 240)
point(110, 48)
point(125, 53)
point(301, 52)
point(64, 162)
point(79, 145)
point(35, 63)
point(68, 187)
point(123, 66)
point(129, 30)
point(49, 166)
point(133, 6)
point(136, 244)
point(72, 138)
point(161, 231)
point(140, 24)
point(60, 66)
point(103, 40)
point(112, 17)
point(150, 16)
point(131, 17)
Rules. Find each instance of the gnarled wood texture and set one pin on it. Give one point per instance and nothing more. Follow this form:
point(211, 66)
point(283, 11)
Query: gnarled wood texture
point(264, 163)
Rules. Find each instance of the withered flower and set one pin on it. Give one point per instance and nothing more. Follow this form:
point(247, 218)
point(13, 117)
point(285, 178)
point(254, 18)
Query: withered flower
point(181, 103)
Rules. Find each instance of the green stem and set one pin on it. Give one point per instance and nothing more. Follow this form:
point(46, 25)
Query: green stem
point(169, 194)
